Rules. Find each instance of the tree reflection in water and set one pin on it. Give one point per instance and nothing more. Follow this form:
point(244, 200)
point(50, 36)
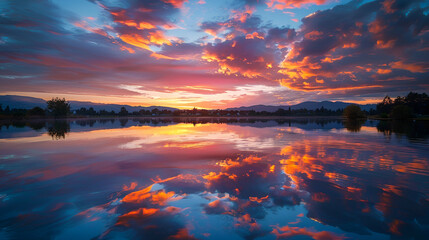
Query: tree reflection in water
point(354, 125)
point(58, 129)
point(412, 129)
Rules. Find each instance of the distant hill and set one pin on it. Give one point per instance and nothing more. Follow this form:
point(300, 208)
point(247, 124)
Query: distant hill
point(21, 102)
point(308, 105)
point(30, 102)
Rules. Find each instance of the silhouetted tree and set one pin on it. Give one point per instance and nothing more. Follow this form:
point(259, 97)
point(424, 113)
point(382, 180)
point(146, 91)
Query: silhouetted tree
point(123, 112)
point(401, 112)
point(353, 111)
point(413, 103)
point(58, 107)
point(418, 102)
point(91, 111)
point(385, 106)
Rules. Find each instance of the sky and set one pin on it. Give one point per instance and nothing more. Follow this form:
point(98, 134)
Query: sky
point(214, 53)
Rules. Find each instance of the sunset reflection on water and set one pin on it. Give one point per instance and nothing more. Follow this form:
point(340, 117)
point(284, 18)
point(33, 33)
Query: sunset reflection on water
point(233, 180)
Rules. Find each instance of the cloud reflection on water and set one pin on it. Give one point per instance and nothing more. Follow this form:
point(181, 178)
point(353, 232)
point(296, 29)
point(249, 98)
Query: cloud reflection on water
point(176, 180)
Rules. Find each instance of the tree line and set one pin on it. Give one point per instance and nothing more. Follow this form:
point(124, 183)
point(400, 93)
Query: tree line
point(56, 107)
point(60, 108)
point(411, 105)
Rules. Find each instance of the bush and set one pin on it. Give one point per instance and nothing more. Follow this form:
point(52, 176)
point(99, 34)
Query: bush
point(353, 111)
point(36, 111)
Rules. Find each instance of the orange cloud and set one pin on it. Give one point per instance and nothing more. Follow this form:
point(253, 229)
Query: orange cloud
point(136, 40)
point(258, 200)
point(313, 35)
point(412, 67)
point(124, 219)
point(176, 3)
point(288, 232)
point(153, 38)
point(243, 15)
point(132, 186)
point(138, 196)
point(182, 234)
point(287, 4)
point(138, 25)
point(162, 197)
point(384, 71)
point(254, 35)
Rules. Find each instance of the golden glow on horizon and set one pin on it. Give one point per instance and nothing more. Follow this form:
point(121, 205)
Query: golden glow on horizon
point(186, 99)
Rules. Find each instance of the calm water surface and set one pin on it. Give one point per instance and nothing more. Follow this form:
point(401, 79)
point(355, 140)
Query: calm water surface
point(214, 179)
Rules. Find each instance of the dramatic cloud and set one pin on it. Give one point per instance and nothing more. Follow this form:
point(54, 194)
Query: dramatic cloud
point(246, 56)
point(183, 48)
point(142, 24)
point(375, 46)
point(287, 4)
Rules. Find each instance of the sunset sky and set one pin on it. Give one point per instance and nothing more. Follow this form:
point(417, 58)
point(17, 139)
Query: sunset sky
point(214, 53)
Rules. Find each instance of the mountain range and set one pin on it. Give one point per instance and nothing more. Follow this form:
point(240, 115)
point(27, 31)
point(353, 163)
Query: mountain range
point(14, 101)
point(307, 105)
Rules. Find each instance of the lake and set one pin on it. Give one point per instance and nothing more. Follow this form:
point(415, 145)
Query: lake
point(214, 179)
